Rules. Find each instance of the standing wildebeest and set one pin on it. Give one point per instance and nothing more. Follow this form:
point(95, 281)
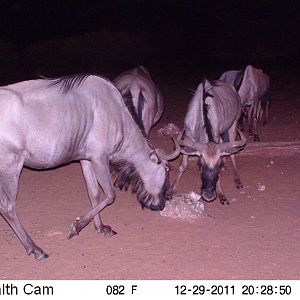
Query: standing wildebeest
point(252, 85)
point(138, 85)
point(212, 115)
point(49, 122)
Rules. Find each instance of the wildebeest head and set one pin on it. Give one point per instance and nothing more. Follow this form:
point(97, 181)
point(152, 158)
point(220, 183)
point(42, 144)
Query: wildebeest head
point(149, 178)
point(211, 161)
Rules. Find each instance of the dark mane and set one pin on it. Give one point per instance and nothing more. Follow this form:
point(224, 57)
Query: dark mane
point(69, 82)
point(129, 104)
point(126, 175)
point(207, 123)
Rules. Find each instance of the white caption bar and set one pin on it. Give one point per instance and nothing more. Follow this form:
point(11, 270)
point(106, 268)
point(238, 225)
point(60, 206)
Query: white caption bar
point(135, 289)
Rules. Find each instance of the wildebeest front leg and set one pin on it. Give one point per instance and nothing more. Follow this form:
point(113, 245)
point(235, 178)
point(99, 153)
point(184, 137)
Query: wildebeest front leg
point(220, 194)
point(93, 189)
point(9, 179)
point(237, 179)
point(102, 174)
point(181, 170)
point(250, 120)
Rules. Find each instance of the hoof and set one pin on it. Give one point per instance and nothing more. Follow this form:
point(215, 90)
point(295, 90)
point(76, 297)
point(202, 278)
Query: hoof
point(238, 184)
point(42, 256)
point(256, 138)
point(74, 229)
point(224, 201)
point(38, 253)
point(169, 195)
point(107, 231)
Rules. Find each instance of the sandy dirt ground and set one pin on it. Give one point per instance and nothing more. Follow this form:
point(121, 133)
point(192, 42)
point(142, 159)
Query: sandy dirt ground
point(257, 236)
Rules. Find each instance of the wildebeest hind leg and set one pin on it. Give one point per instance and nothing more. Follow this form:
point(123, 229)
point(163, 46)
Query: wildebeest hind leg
point(237, 179)
point(102, 174)
point(8, 193)
point(256, 112)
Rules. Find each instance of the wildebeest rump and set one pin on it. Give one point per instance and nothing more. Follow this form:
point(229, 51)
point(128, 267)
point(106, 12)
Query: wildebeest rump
point(49, 122)
point(252, 85)
point(138, 85)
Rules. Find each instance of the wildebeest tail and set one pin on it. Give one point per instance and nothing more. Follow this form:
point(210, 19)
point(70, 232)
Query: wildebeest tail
point(127, 97)
point(207, 123)
point(141, 103)
point(239, 79)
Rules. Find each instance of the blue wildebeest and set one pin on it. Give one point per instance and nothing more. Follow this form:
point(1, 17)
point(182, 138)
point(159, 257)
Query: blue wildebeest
point(49, 122)
point(137, 84)
point(252, 85)
point(212, 117)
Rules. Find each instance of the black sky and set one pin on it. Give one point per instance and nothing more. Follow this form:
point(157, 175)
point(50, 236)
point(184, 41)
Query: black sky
point(183, 30)
point(24, 21)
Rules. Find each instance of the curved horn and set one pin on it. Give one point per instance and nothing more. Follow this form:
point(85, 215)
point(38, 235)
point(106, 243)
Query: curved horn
point(175, 153)
point(235, 146)
point(187, 142)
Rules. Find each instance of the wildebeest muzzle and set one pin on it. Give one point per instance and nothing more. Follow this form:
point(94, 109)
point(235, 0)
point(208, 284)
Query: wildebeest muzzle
point(209, 178)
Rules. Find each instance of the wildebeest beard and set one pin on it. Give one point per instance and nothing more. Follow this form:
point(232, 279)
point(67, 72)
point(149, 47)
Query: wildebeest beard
point(126, 174)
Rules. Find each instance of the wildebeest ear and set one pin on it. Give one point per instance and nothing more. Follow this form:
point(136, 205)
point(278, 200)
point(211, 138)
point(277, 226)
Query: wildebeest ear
point(229, 151)
point(154, 157)
point(228, 148)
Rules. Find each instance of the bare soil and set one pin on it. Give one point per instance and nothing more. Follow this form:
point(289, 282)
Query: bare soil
point(257, 236)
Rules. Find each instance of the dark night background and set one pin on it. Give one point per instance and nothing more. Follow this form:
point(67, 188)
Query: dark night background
point(174, 39)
